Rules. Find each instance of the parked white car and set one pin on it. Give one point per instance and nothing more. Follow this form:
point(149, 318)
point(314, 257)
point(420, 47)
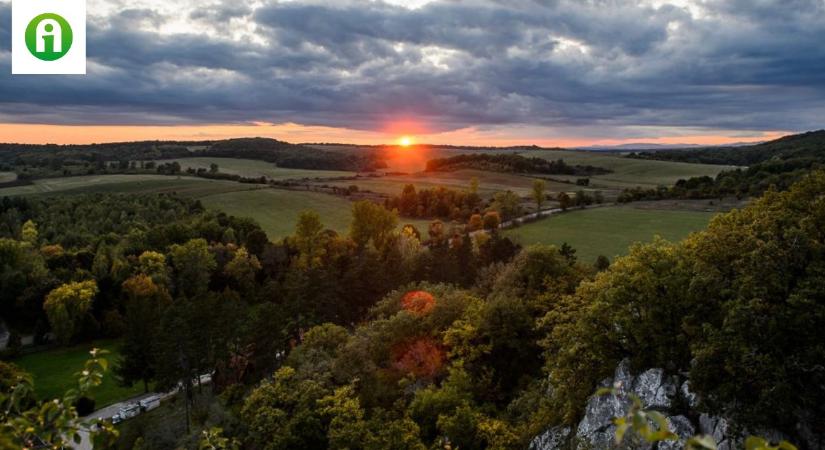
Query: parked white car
point(149, 403)
point(127, 412)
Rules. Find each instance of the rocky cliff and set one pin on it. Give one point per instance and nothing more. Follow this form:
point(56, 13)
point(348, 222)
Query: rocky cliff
point(668, 394)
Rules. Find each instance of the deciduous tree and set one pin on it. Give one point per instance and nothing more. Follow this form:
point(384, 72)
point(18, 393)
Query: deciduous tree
point(67, 305)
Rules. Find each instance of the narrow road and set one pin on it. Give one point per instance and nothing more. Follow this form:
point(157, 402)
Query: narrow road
point(109, 411)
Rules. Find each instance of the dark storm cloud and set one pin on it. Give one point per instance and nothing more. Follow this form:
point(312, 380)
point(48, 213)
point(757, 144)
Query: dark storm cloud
point(734, 64)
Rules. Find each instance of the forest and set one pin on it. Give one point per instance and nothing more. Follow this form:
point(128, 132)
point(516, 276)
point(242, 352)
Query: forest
point(511, 162)
point(375, 339)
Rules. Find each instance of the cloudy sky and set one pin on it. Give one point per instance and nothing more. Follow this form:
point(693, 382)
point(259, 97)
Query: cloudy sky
point(554, 72)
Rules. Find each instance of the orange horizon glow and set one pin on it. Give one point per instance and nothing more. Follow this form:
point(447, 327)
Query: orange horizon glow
point(296, 133)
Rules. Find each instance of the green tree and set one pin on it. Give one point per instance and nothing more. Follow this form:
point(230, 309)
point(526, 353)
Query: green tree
point(144, 305)
point(68, 305)
point(630, 309)
point(492, 220)
point(408, 201)
point(243, 270)
point(564, 201)
point(309, 239)
point(759, 283)
point(538, 193)
point(602, 263)
point(193, 265)
point(29, 233)
point(372, 222)
point(23, 280)
point(153, 265)
point(507, 204)
point(474, 185)
point(282, 413)
point(347, 427)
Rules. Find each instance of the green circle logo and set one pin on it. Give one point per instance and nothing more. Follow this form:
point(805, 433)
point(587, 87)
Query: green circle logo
point(49, 37)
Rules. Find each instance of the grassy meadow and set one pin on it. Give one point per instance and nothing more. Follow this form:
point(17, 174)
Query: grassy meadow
point(127, 184)
point(53, 371)
point(254, 169)
point(629, 172)
point(611, 230)
point(276, 210)
point(489, 182)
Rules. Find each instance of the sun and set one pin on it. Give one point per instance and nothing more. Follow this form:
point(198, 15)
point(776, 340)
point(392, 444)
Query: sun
point(405, 141)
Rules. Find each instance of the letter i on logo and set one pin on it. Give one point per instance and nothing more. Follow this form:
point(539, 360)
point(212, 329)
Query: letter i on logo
point(48, 37)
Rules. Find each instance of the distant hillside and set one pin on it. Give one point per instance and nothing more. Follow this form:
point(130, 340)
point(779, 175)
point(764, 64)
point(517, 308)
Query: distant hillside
point(510, 163)
point(803, 148)
point(776, 164)
point(281, 153)
point(649, 147)
point(293, 156)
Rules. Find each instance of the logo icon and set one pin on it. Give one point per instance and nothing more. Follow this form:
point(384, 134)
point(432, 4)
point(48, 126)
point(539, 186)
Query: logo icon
point(49, 37)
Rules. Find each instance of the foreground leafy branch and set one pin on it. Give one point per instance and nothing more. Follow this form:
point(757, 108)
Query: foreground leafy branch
point(55, 423)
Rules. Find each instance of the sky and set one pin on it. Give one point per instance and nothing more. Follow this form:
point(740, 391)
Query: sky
point(496, 72)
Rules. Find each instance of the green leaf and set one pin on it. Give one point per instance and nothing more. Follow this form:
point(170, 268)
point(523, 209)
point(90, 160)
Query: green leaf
point(703, 442)
point(604, 391)
point(755, 443)
point(620, 432)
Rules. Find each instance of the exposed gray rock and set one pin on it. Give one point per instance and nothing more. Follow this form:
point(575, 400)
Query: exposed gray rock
point(599, 416)
point(604, 439)
point(716, 427)
point(602, 409)
point(623, 378)
point(657, 391)
point(553, 439)
point(681, 426)
point(688, 395)
point(654, 389)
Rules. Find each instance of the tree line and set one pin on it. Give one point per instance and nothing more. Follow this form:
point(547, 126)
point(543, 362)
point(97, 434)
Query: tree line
point(30, 161)
point(511, 162)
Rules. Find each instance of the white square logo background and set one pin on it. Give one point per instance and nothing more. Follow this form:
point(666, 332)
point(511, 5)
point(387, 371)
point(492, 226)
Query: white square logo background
point(23, 62)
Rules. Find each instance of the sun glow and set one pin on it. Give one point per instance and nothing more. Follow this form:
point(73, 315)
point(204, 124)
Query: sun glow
point(405, 141)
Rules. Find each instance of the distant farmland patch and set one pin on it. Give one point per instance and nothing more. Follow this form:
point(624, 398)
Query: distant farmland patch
point(277, 210)
point(610, 231)
point(253, 169)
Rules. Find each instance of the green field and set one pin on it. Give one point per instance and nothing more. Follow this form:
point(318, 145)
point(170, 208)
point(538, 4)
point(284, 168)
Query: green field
point(489, 182)
point(609, 231)
point(255, 169)
point(127, 184)
point(53, 372)
point(629, 172)
point(276, 210)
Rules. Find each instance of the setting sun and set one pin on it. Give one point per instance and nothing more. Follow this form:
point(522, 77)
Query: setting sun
point(405, 141)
